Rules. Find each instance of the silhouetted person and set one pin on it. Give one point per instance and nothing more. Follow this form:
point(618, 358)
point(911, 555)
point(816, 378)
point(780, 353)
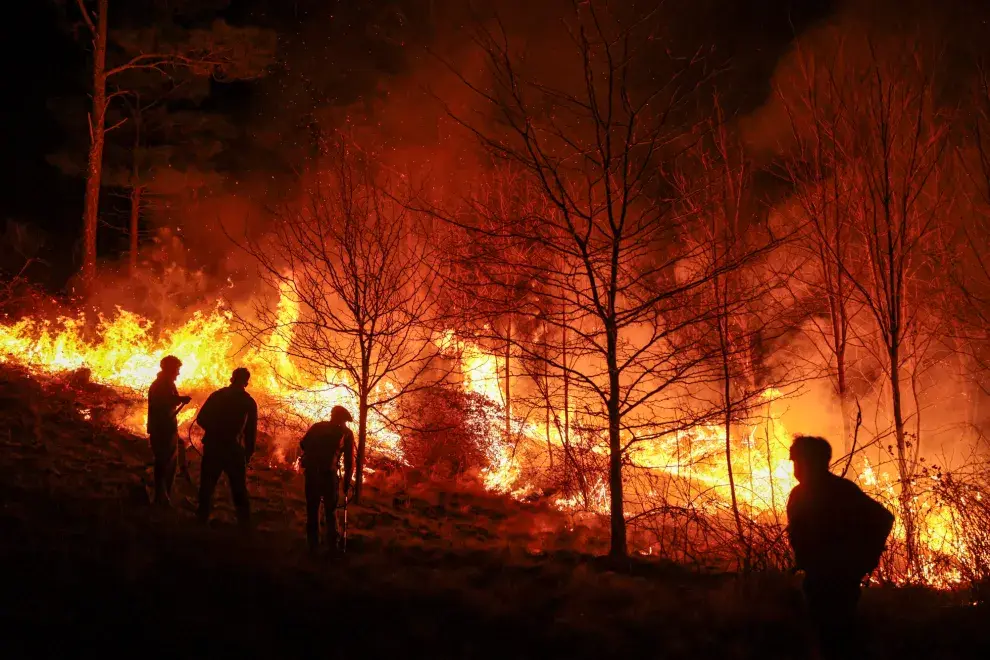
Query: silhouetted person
point(838, 534)
point(230, 421)
point(322, 447)
point(163, 429)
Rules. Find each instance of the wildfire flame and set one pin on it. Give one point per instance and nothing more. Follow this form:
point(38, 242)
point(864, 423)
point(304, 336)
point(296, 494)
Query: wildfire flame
point(124, 352)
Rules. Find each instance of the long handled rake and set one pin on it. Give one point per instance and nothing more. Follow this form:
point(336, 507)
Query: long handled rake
point(342, 541)
point(343, 536)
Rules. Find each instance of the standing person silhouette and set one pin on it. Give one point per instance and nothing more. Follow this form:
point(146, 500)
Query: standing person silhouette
point(324, 444)
point(163, 428)
point(230, 421)
point(838, 535)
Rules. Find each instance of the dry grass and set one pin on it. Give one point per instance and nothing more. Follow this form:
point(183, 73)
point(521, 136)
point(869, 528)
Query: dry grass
point(432, 571)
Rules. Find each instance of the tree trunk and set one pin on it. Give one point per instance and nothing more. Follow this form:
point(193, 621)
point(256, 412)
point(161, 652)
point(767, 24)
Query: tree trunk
point(548, 412)
point(97, 127)
point(362, 440)
point(839, 318)
point(849, 426)
point(548, 404)
point(508, 383)
point(617, 520)
point(842, 393)
point(725, 351)
point(565, 432)
point(136, 192)
point(567, 383)
point(907, 491)
point(838, 347)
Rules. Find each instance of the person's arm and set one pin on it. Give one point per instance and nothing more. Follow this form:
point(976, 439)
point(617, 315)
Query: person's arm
point(152, 408)
point(348, 460)
point(878, 522)
point(306, 439)
point(251, 428)
point(162, 397)
point(203, 417)
point(175, 401)
point(180, 400)
point(885, 519)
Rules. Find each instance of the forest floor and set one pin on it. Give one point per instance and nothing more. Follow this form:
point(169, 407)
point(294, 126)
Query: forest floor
point(433, 572)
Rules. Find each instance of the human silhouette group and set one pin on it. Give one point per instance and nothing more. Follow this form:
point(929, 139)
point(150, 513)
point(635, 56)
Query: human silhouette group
point(837, 532)
point(229, 419)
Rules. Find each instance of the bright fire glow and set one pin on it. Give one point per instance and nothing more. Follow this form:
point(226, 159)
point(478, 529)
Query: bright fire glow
point(124, 352)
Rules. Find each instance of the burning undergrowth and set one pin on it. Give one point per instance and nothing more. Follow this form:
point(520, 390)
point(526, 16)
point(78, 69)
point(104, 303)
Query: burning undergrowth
point(677, 494)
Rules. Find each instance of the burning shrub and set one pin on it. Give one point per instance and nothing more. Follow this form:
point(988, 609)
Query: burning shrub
point(578, 474)
point(449, 432)
point(966, 499)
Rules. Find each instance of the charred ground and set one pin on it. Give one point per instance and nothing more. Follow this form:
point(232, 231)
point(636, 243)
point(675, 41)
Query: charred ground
point(431, 570)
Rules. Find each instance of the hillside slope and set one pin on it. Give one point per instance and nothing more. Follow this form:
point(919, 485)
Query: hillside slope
point(93, 568)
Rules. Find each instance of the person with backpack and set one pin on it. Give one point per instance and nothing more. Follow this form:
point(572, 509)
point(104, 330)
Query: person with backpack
point(838, 534)
point(322, 448)
point(229, 419)
point(164, 403)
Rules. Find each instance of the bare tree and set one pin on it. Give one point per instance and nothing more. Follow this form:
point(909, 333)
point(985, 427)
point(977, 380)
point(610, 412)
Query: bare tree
point(819, 111)
point(97, 132)
point(20, 249)
point(487, 268)
point(349, 257)
point(743, 310)
point(900, 207)
point(508, 294)
point(595, 148)
point(972, 274)
point(221, 51)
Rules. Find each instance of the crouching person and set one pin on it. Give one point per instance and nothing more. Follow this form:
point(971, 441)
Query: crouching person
point(322, 448)
point(229, 419)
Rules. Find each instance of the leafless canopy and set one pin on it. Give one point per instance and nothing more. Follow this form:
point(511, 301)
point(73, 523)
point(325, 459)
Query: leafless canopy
point(594, 222)
point(349, 258)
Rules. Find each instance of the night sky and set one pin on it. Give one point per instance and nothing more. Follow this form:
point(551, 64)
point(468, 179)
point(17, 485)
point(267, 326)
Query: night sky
point(330, 54)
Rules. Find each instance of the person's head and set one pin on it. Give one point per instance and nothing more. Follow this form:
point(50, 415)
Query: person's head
point(339, 415)
point(811, 456)
point(170, 366)
point(240, 377)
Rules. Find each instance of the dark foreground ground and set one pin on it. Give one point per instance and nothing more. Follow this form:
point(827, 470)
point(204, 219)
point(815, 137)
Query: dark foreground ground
point(90, 568)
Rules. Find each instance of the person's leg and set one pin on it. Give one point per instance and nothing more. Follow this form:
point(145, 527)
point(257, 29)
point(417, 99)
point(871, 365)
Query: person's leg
point(330, 502)
point(209, 474)
point(847, 640)
point(832, 605)
point(313, 496)
point(171, 463)
point(156, 452)
point(236, 469)
point(164, 453)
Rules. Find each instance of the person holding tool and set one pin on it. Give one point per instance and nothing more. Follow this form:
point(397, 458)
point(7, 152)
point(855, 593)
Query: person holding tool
point(322, 447)
point(164, 403)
